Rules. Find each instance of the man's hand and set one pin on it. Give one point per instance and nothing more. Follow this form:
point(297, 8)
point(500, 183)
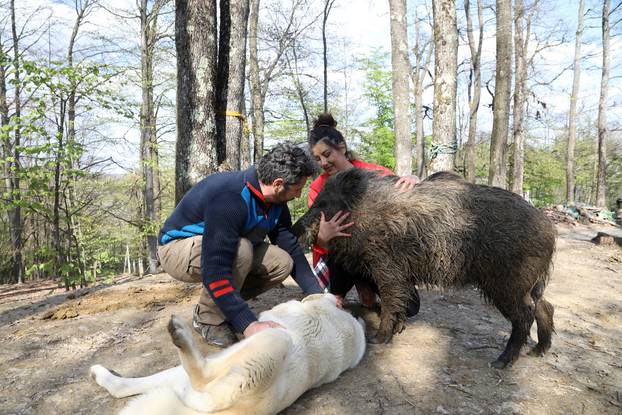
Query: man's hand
point(258, 326)
point(406, 183)
point(332, 228)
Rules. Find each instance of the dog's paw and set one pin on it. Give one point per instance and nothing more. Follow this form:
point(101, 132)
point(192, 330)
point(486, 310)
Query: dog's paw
point(179, 331)
point(99, 374)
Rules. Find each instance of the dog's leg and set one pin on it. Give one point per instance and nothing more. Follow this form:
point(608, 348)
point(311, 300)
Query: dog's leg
point(246, 368)
point(191, 359)
point(120, 387)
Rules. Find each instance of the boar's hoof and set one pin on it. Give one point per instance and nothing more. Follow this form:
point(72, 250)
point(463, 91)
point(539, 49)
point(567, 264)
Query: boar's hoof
point(500, 364)
point(399, 327)
point(536, 351)
point(381, 337)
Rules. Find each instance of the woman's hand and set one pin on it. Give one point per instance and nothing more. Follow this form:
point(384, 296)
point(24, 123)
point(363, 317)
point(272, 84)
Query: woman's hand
point(406, 183)
point(332, 228)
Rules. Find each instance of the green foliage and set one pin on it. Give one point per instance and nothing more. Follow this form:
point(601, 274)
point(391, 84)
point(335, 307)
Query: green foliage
point(377, 136)
point(544, 174)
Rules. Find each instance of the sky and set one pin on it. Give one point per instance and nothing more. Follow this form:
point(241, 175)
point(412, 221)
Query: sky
point(365, 23)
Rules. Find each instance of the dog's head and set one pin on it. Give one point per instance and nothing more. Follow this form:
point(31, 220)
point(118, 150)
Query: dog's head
point(327, 298)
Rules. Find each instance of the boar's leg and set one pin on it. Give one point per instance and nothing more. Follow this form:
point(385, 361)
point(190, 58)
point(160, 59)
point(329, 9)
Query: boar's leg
point(521, 316)
point(393, 310)
point(341, 281)
point(544, 320)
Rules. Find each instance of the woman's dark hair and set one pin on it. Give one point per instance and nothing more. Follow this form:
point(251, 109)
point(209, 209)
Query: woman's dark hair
point(324, 129)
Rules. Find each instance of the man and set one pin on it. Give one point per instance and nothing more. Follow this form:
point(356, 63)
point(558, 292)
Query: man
point(216, 235)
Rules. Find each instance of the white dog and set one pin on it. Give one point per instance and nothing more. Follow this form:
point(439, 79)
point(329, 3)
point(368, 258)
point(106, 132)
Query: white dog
point(262, 374)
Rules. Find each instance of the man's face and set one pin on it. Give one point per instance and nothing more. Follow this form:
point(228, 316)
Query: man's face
point(283, 193)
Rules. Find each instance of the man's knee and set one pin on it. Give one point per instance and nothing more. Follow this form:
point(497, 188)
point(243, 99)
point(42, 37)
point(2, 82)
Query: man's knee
point(283, 264)
point(243, 260)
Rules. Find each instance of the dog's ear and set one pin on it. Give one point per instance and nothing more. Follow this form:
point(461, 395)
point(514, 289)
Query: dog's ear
point(312, 297)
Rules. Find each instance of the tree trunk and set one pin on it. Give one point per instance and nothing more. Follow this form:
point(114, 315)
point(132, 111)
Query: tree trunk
point(423, 53)
point(15, 213)
point(148, 35)
point(501, 101)
point(230, 80)
point(602, 112)
point(475, 85)
point(445, 74)
point(196, 45)
point(401, 88)
point(521, 46)
point(81, 9)
point(254, 82)
point(300, 92)
point(572, 113)
point(328, 4)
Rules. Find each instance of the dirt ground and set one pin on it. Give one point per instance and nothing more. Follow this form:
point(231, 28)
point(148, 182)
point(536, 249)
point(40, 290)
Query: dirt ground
point(438, 365)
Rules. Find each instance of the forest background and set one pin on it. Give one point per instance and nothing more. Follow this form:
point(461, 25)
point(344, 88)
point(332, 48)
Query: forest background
point(110, 110)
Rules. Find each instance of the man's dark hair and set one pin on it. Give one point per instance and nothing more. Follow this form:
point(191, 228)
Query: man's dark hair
point(287, 161)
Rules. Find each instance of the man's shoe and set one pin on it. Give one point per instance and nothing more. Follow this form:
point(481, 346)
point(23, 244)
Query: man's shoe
point(221, 335)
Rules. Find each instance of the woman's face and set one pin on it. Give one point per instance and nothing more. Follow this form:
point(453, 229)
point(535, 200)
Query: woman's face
point(332, 160)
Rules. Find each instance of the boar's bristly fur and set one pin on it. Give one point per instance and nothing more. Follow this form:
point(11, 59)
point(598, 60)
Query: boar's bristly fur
point(446, 232)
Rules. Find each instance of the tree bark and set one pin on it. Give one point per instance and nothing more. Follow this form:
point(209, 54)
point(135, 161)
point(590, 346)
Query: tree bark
point(522, 27)
point(254, 82)
point(230, 80)
point(196, 45)
point(475, 85)
point(445, 75)
point(328, 4)
point(401, 88)
point(501, 102)
point(423, 54)
point(603, 134)
point(148, 141)
point(572, 113)
point(15, 213)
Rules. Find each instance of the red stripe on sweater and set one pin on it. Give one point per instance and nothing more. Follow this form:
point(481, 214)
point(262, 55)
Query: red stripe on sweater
point(223, 291)
point(217, 284)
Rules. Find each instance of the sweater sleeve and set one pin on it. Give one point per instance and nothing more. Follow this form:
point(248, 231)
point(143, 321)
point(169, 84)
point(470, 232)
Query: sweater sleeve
point(224, 220)
point(285, 239)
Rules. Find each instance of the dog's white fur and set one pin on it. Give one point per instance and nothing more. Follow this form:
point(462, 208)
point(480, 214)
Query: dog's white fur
point(262, 374)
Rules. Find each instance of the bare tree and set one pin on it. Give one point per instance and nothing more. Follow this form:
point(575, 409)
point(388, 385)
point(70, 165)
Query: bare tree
point(149, 35)
point(602, 111)
point(15, 213)
point(328, 5)
point(257, 98)
point(445, 84)
point(423, 53)
point(522, 28)
point(501, 102)
point(196, 45)
point(401, 88)
point(230, 80)
point(475, 84)
point(281, 34)
point(572, 113)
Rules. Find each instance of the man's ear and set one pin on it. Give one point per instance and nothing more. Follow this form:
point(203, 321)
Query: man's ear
point(278, 182)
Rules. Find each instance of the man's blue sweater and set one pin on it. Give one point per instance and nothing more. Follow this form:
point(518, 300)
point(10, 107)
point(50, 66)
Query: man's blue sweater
point(225, 207)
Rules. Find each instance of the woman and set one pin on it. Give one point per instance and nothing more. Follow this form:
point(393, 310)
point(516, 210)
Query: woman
point(330, 150)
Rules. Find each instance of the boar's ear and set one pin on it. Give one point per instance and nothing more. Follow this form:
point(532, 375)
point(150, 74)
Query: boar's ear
point(351, 185)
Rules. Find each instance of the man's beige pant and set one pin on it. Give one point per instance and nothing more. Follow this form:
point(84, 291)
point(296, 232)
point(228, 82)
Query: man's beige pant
point(255, 270)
